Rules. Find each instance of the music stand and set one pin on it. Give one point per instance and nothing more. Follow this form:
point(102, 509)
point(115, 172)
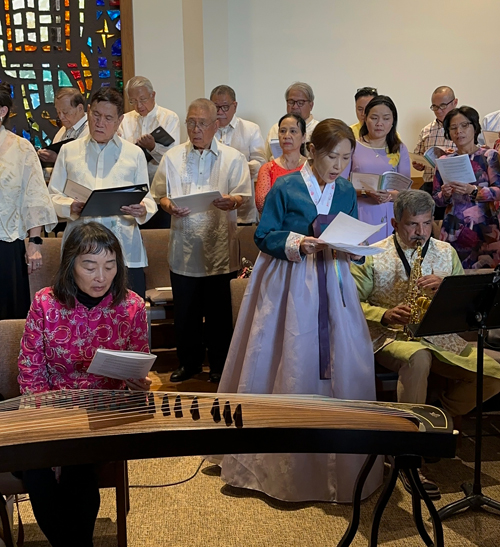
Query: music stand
point(466, 303)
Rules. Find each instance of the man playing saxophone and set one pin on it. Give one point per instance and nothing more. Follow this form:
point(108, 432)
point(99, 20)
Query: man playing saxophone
point(390, 286)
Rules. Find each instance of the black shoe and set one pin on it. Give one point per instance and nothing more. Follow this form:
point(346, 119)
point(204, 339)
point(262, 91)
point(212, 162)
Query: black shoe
point(214, 377)
point(431, 488)
point(182, 373)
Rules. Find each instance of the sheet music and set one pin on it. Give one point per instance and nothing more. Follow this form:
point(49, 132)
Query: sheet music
point(345, 234)
point(276, 150)
point(121, 365)
point(77, 191)
point(456, 169)
point(197, 203)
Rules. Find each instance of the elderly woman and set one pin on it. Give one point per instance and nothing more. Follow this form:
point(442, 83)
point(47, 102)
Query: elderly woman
point(277, 350)
point(25, 207)
point(137, 126)
point(470, 222)
point(88, 307)
point(379, 149)
point(292, 137)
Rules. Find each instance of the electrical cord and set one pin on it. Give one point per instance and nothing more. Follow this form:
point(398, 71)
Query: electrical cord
point(171, 484)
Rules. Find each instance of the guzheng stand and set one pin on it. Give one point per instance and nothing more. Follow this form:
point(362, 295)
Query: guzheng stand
point(467, 303)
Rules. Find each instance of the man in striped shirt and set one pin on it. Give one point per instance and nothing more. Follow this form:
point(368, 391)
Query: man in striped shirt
point(443, 100)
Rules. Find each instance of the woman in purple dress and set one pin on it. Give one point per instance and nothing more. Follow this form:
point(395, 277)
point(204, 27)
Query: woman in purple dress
point(378, 150)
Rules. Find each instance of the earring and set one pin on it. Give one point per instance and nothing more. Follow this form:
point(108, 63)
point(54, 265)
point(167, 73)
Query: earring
point(1, 119)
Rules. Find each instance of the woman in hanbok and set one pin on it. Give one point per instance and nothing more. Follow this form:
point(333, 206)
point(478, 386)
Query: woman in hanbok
point(25, 208)
point(378, 150)
point(277, 346)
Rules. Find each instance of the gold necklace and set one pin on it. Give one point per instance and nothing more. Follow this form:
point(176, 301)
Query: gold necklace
point(368, 142)
point(285, 164)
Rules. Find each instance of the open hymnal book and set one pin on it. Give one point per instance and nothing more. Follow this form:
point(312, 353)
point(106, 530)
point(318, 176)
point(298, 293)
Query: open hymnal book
point(456, 169)
point(420, 159)
point(433, 153)
point(197, 203)
point(490, 137)
point(276, 151)
point(387, 181)
point(121, 365)
point(346, 234)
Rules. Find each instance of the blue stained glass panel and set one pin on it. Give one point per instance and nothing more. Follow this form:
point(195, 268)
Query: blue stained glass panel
point(27, 74)
point(38, 143)
point(89, 43)
point(116, 48)
point(33, 87)
point(98, 13)
point(63, 79)
point(48, 92)
point(99, 2)
point(99, 50)
point(47, 76)
point(119, 24)
point(114, 14)
point(103, 74)
point(26, 134)
point(103, 62)
point(14, 130)
point(105, 84)
point(35, 100)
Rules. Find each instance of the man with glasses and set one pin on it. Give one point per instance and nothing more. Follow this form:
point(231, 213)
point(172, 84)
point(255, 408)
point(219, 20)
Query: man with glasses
point(362, 97)
point(243, 135)
point(299, 99)
point(103, 160)
point(442, 101)
point(203, 250)
point(138, 125)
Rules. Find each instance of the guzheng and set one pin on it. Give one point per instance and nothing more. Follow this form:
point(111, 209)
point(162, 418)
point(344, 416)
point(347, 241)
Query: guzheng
point(81, 426)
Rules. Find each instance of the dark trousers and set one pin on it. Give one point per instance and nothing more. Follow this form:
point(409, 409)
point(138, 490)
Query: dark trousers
point(195, 298)
point(137, 281)
point(66, 511)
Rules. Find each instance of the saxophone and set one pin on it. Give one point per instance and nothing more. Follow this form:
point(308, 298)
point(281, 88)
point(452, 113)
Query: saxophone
point(415, 299)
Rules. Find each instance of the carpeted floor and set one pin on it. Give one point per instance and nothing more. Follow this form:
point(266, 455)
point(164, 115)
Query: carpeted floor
point(205, 512)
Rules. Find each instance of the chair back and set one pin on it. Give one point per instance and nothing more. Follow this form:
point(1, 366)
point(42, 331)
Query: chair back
point(238, 287)
point(246, 243)
point(11, 332)
point(158, 271)
point(51, 255)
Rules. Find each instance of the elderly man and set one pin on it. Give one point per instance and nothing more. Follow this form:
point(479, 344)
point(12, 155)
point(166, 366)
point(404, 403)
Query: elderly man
point(442, 101)
point(138, 125)
point(203, 251)
point(104, 160)
point(362, 97)
point(243, 135)
point(70, 108)
point(299, 99)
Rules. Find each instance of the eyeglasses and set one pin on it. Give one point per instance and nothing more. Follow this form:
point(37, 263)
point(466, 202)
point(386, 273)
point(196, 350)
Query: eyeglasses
point(223, 107)
point(371, 90)
point(463, 125)
point(202, 126)
point(134, 102)
point(442, 106)
point(300, 103)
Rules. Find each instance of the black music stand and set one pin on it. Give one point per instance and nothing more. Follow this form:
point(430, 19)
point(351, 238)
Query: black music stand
point(466, 303)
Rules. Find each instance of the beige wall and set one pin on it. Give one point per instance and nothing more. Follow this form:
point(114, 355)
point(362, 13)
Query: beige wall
point(260, 46)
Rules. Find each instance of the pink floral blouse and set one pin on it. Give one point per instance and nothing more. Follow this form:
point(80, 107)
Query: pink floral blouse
point(58, 343)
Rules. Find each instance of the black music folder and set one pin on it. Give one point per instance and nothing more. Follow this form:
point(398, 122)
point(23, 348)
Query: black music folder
point(107, 202)
point(54, 147)
point(161, 137)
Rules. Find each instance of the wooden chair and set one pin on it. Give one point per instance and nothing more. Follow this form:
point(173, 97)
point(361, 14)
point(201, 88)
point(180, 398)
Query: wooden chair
point(112, 475)
point(237, 287)
point(44, 277)
point(246, 244)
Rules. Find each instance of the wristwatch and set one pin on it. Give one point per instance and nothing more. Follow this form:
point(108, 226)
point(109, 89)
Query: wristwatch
point(235, 204)
point(473, 194)
point(36, 240)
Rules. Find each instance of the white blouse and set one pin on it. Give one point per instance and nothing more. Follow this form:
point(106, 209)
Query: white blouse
point(134, 126)
point(203, 244)
point(118, 163)
point(24, 199)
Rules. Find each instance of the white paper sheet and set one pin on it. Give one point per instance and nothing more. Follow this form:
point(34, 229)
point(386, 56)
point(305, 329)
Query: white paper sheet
point(490, 137)
point(456, 169)
point(77, 191)
point(197, 203)
point(276, 150)
point(345, 233)
point(121, 365)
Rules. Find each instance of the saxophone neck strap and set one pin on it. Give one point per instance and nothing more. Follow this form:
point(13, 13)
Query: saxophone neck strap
point(403, 257)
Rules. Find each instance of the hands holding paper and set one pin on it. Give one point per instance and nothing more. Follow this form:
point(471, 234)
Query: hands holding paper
point(311, 245)
point(139, 384)
point(382, 196)
point(136, 210)
point(171, 209)
point(77, 206)
point(226, 202)
point(147, 141)
point(458, 188)
point(47, 156)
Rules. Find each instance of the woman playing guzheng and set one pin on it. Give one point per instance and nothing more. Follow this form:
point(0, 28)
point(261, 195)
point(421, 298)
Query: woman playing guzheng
point(88, 307)
point(301, 329)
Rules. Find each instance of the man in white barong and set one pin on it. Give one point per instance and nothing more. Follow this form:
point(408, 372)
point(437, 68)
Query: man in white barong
point(299, 99)
point(243, 135)
point(137, 126)
point(104, 160)
point(203, 250)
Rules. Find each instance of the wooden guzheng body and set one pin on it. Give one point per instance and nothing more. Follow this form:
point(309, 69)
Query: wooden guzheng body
point(81, 426)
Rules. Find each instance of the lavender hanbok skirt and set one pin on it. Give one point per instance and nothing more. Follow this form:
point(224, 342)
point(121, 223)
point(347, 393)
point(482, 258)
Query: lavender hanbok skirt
point(275, 350)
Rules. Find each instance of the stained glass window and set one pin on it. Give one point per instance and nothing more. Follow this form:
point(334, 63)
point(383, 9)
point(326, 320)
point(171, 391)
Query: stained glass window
point(49, 44)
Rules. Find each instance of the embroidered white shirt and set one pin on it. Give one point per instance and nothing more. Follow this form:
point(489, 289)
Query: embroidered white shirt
point(118, 163)
point(24, 200)
point(134, 126)
point(203, 244)
point(78, 131)
point(246, 137)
